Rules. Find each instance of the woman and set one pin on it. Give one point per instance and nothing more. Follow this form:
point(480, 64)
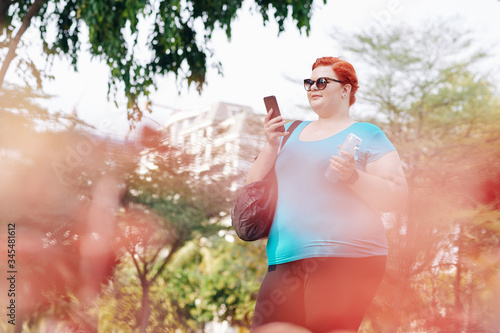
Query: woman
point(327, 248)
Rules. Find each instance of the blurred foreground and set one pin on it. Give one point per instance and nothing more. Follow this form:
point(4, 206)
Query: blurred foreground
point(61, 193)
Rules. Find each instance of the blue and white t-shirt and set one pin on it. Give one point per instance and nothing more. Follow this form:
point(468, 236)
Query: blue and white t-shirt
point(316, 218)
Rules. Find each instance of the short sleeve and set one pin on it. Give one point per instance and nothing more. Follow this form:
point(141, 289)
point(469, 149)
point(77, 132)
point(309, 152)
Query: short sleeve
point(374, 144)
point(378, 146)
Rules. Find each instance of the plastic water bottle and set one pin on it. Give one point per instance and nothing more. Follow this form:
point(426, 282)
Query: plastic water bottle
point(350, 145)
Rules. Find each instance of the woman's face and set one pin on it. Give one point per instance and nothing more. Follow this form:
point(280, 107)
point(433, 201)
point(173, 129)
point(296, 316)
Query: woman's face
point(328, 99)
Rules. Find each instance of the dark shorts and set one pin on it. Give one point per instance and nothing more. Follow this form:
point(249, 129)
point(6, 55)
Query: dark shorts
point(320, 294)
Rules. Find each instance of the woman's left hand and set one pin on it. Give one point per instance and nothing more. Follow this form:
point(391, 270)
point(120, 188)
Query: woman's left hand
point(343, 166)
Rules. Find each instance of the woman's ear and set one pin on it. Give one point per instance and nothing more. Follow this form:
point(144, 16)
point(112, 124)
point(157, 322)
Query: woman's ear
point(347, 89)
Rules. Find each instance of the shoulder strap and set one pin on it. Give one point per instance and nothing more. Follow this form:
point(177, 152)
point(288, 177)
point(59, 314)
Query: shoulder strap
point(292, 127)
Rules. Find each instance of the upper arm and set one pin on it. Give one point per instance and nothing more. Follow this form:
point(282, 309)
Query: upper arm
point(388, 167)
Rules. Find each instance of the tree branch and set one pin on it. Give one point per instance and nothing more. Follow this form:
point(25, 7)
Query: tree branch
point(174, 249)
point(157, 253)
point(11, 54)
point(142, 274)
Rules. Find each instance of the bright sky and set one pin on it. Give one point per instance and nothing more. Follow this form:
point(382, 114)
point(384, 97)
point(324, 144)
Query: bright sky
point(256, 61)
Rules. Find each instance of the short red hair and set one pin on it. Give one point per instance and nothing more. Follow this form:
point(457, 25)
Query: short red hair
point(345, 72)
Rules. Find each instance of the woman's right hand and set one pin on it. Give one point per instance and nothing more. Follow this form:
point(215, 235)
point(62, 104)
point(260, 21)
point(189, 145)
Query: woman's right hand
point(270, 129)
point(267, 157)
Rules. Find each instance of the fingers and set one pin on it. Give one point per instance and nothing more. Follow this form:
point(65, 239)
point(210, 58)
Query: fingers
point(268, 116)
point(274, 137)
point(271, 126)
point(268, 119)
point(347, 156)
point(274, 126)
point(343, 165)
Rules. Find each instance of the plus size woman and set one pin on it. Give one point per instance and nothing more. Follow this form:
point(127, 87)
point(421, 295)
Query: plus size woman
point(327, 247)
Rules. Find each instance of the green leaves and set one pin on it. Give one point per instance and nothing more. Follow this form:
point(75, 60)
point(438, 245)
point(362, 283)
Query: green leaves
point(299, 10)
point(221, 280)
point(142, 40)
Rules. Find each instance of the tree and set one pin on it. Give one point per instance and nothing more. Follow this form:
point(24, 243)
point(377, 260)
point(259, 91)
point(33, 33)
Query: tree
point(168, 206)
point(138, 40)
point(217, 279)
point(442, 115)
point(206, 280)
point(155, 239)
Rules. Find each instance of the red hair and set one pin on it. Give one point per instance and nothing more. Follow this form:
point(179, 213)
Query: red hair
point(344, 71)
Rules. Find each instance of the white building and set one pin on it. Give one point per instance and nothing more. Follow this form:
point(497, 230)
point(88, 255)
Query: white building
point(226, 135)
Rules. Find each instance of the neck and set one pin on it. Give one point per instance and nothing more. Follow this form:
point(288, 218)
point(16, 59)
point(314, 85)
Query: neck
point(335, 118)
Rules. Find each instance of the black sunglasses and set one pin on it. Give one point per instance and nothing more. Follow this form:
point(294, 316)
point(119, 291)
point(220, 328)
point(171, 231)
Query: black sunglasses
point(320, 83)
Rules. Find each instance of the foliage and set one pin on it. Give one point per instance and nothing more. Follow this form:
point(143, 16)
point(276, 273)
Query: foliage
point(19, 112)
point(138, 40)
point(206, 280)
point(169, 204)
point(218, 280)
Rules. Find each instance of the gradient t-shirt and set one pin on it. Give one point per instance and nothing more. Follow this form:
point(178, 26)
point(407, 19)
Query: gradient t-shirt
point(317, 218)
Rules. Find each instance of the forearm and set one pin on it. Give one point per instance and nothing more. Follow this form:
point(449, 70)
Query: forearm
point(385, 194)
point(263, 164)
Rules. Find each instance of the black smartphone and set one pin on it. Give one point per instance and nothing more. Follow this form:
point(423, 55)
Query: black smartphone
point(272, 103)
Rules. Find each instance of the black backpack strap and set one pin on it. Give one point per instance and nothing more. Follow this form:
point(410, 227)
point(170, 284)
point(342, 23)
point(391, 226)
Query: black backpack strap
point(292, 127)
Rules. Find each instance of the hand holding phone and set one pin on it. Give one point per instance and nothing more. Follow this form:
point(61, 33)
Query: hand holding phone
point(272, 103)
